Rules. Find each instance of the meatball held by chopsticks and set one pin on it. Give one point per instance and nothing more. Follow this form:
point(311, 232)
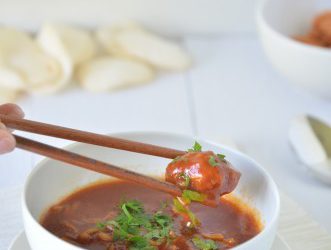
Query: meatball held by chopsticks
point(204, 172)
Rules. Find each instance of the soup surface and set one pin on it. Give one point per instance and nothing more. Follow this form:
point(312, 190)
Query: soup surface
point(97, 218)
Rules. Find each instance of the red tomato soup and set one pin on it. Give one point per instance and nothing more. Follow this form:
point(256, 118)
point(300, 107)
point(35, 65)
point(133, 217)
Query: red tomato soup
point(121, 215)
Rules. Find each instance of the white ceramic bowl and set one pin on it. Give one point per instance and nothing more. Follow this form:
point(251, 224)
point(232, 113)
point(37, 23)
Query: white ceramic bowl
point(305, 65)
point(52, 180)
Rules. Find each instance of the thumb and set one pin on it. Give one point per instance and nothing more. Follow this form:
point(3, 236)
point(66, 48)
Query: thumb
point(7, 141)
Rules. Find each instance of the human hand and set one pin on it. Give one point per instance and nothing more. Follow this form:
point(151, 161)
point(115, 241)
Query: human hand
point(7, 140)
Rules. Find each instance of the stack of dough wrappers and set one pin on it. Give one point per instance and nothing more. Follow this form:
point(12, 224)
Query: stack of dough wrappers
point(103, 60)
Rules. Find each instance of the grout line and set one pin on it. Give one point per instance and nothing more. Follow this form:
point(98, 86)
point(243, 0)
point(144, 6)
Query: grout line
point(191, 104)
point(190, 96)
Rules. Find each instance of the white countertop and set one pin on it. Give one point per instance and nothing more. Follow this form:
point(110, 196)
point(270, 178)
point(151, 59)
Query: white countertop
point(232, 92)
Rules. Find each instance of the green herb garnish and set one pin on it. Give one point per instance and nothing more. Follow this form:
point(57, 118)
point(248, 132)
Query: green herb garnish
point(196, 147)
point(212, 161)
point(140, 242)
point(139, 228)
point(204, 244)
point(221, 156)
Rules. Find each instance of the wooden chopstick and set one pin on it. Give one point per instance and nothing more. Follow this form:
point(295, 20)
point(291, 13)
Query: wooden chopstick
point(88, 137)
point(99, 166)
point(94, 165)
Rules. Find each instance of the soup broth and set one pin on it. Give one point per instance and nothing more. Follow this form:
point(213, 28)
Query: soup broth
point(89, 218)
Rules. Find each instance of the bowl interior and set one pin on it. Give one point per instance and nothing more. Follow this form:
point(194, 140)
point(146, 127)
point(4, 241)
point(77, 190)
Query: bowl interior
point(291, 17)
point(52, 180)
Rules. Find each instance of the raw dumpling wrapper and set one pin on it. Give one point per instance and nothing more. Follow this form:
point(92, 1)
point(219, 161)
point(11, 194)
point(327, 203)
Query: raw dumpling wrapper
point(23, 64)
point(108, 73)
point(134, 42)
point(71, 46)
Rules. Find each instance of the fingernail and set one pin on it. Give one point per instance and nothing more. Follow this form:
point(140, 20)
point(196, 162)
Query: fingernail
point(17, 111)
point(20, 112)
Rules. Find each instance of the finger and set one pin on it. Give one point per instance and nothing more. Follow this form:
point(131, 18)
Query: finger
point(7, 141)
point(12, 110)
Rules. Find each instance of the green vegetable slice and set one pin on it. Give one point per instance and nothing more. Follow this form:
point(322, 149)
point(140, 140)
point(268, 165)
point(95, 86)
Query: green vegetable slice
point(194, 196)
point(204, 244)
point(180, 208)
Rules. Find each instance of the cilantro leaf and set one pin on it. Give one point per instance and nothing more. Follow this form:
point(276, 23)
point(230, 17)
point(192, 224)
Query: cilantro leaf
point(139, 228)
point(212, 161)
point(204, 244)
point(221, 156)
point(127, 213)
point(133, 205)
point(196, 147)
point(161, 219)
point(138, 242)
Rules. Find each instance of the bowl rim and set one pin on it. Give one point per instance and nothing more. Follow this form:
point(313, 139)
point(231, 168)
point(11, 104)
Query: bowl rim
point(273, 222)
point(262, 22)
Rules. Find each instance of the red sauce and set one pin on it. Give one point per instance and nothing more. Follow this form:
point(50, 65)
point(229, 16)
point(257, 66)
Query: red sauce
point(206, 173)
point(80, 211)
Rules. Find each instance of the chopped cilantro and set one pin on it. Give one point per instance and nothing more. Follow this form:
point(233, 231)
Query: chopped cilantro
point(212, 161)
point(221, 156)
point(204, 244)
point(139, 228)
point(134, 205)
point(194, 196)
point(139, 242)
point(196, 147)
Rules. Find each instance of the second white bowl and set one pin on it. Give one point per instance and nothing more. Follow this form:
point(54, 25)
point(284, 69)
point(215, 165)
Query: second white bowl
point(305, 65)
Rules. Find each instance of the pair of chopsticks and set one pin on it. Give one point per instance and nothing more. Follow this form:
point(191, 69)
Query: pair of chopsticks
point(89, 163)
